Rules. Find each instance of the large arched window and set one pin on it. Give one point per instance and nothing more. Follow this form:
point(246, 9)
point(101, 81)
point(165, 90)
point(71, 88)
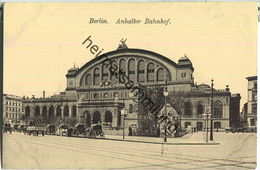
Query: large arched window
point(105, 72)
point(37, 110)
point(122, 68)
point(131, 69)
point(27, 111)
point(113, 70)
point(200, 109)
point(88, 79)
point(160, 74)
point(141, 68)
point(74, 111)
point(66, 111)
point(187, 109)
point(96, 76)
point(218, 109)
point(150, 72)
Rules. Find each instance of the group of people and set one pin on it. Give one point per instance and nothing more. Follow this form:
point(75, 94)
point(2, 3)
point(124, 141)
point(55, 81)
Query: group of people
point(131, 131)
point(8, 128)
point(191, 129)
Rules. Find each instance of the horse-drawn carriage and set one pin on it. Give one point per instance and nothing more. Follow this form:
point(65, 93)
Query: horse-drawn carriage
point(62, 130)
point(50, 129)
point(94, 131)
point(22, 128)
point(16, 127)
point(79, 130)
point(8, 128)
point(35, 130)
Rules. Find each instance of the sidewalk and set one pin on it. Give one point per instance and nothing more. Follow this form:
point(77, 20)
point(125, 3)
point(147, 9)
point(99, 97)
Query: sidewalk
point(189, 139)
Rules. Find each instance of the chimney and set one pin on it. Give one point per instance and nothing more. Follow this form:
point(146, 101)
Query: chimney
point(43, 94)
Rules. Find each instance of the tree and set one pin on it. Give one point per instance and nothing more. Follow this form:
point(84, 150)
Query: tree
point(147, 121)
point(177, 101)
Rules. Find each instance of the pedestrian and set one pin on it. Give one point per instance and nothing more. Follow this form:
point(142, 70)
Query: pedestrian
point(130, 131)
point(158, 132)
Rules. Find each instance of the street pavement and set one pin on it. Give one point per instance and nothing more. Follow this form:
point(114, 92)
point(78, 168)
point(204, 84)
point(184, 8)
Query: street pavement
point(188, 139)
point(234, 151)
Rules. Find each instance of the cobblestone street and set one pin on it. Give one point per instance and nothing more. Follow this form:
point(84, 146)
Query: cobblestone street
point(235, 151)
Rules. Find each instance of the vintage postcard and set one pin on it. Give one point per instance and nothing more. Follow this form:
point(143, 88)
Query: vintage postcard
point(120, 85)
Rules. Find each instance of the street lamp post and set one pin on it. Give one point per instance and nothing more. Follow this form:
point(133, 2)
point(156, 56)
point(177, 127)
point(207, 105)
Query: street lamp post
point(165, 93)
point(211, 118)
point(206, 117)
point(123, 114)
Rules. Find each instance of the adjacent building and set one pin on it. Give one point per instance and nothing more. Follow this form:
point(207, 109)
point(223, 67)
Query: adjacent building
point(235, 117)
point(12, 108)
point(96, 95)
point(251, 113)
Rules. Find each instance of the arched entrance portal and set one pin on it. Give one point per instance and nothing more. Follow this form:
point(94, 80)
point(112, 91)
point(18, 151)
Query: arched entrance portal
point(199, 126)
point(58, 111)
point(66, 111)
point(44, 112)
point(96, 117)
point(27, 111)
point(87, 119)
point(51, 113)
point(37, 111)
point(108, 118)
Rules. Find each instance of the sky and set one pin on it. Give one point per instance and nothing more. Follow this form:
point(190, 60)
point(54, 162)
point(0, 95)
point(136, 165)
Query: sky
point(43, 40)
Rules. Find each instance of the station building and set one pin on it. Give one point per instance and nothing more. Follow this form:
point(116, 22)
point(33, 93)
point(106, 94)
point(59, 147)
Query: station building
point(94, 95)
